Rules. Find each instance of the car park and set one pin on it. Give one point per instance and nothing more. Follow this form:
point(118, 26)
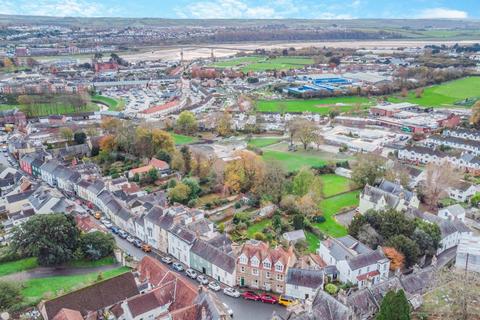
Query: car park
point(287, 301)
point(250, 295)
point(122, 234)
point(214, 285)
point(167, 260)
point(268, 298)
point(178, 266)
point(191, 273)
point(231, 292)
point(202, 279)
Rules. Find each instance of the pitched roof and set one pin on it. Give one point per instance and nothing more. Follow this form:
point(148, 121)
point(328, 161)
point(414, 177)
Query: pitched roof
point(68, 314)
point(213, 255)
point(97, 296)
point(305, 278)
point(183, 234)
point(261, 250)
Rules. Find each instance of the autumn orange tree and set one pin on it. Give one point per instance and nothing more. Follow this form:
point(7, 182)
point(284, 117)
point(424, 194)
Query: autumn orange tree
point(107, 143)
point(397, 260)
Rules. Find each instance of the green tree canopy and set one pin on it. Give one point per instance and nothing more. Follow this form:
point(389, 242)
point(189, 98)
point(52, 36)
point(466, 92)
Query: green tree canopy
point(96, 245)
point(186, 123)
point(394, 306)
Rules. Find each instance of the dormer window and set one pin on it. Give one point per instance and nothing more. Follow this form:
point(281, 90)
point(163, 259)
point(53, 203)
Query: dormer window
point(279, 267)
point(243, 259)
point(267, 265)
point(255, 262)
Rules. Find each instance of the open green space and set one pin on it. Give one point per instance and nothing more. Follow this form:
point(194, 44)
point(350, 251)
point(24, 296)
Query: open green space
point(333, 205)
point(261, 63)
point(111, 103)
point(44, 109)
point(35, 289)
point(18, 266)
point(258, 227)
point(334, 184)
point(313, 241)
point(292, 161)
point(263, 142)
point(321, 106)
point(445, 94)
point(182, 139)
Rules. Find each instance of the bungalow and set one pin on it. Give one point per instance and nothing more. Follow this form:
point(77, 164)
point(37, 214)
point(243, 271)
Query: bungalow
point(213, 262)
point(356, 263)
point(304, 283)
point(180, 241)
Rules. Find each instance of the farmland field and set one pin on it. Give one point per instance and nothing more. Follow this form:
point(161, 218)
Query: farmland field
point(321, 106)
point(446, 94)
point(259, 63)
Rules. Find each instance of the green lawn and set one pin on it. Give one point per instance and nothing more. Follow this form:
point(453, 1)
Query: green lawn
point(321, 106)
point(113, 104)
point(263, 142)
point(333, 205)
point(313, 241)
point(92, 264)
point(258, 227)
point(261, 63)
point(18, 266)
point(445, 94)
point(182, 139)
point(48, 109)
point(291, 160)
point(333, 185)
point(35, 289)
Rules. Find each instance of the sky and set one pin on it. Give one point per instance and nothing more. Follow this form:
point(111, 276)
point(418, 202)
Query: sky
point(229, 9)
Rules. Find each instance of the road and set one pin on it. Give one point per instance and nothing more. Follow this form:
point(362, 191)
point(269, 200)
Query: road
point(242, 309)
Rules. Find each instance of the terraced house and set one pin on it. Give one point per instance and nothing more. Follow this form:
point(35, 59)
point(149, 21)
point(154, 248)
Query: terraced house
point(262, 267)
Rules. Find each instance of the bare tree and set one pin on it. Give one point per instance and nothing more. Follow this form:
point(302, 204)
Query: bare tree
point(303, 131)
point(438, 179)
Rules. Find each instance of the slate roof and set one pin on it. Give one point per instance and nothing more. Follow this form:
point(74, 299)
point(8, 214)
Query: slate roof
point(19, 196)
point(50, 166)
point(305, 278)
point(183, 234)
point(325, 307)
point(376, 194)
point(213, 255)
point(96, 187)
point(396, 189)
point(92, 298)
point(455, 210)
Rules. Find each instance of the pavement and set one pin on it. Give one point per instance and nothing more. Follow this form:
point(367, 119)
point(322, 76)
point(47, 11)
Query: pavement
point(446, 256)
point(242, 309)
point(44, 272)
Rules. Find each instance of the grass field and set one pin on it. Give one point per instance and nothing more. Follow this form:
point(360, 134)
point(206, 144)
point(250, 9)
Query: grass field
point(446, 94)
point(35, 289)
point(333, 205)
point(182, 139)
point(263, 142)
point(321, 106)
point(113, 104)
point(313, 241)
point(17, 266)
point(258, 227)
point(333, 185)
point(259, 63)
point(48, 109)
point(292, 161)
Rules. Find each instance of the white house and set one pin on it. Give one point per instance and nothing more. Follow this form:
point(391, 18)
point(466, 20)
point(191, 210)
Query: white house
point(387, 195)
point(157, 223)
point(462, 191)
point(453, 212)
point(180, 241)
point(303, 283)
point(47, 172)
point(356, 263)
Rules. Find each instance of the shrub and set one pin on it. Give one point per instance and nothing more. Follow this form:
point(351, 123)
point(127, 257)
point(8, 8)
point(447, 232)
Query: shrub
point(331, 289)
point(259, 236)
point(318, 219)
point(238, 205)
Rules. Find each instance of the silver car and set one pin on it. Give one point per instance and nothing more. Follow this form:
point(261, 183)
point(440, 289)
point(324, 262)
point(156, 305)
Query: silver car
point(202, 279)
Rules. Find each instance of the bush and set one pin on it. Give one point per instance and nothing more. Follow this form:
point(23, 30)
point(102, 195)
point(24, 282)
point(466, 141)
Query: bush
point(192, 203)
point(318, 219)
point(10, 295)
point(238, 205)
point(331, 289)
point(259, 236)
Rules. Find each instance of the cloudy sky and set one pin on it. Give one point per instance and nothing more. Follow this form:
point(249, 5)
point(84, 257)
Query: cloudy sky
point(309, 9)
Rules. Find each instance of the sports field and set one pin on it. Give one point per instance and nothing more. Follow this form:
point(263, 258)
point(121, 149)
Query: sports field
point(260, 63)
point(445, 94)
point(321, 106)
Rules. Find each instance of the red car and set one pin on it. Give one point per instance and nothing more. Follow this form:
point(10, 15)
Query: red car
point(250, 295)
point(266, 298)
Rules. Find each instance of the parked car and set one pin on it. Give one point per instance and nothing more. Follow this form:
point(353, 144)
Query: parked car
point(146, 248)
point(114, 229)
point(167, 260)
point(178, 266)
point(287, 301)
point(191, 273)
point(231, 292)
point(250, 295)
point(267, 298)
point(130, 239)
point(108, 224)
point(202, 279)
point(229, 310)
point(122, 234)
point(98, 215)
point(137, 243)
point(214, 285)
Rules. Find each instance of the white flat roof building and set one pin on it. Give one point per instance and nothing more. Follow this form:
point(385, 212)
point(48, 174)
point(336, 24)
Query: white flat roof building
point(468, 254)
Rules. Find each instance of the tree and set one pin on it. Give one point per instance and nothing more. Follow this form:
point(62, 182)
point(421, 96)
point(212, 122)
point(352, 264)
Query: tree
point(66, 133)
point(187, 159)
point(224, 124)
point(253, 169)
point(153, 174)
point(186, 123)
point(405, 246)
point(180, 193)
point(397, 260)
point(304, 132)
point(10, 295)
point(107, 143)
point(305, 183)
point(394, 306)
point(194, 187)
point(368, 169)
point(234, 177)
point(298, 222)
point(111, 125)
point(475, 199)
point(164, 156)
point(52, 238)
point(272, 185)
point(96, 245)
point(79, 137)
point(475, 116)
point(438, 179)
